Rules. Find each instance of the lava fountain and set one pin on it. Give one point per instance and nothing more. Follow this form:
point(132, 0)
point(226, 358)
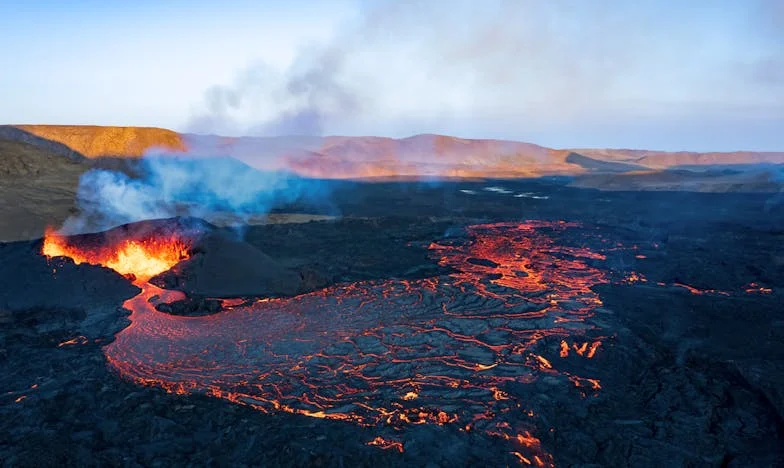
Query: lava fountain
point(139, 259)
point(387, 354)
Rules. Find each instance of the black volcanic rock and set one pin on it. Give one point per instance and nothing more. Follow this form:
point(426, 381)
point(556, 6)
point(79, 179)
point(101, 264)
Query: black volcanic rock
point(222, 265)
point(32, 281)
point(482, 262)
point(55, 300)
point(190, 307)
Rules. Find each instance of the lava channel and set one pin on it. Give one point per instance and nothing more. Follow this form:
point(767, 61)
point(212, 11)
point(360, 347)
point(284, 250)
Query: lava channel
point(394, 353)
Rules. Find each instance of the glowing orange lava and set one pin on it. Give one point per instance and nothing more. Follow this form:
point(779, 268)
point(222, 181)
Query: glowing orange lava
point(699, 292)
point(141, 259)
point(392, 353)
point(754, 288)
point(382, 443)
point(465, 349)
point(387, 354)
point(74, 341)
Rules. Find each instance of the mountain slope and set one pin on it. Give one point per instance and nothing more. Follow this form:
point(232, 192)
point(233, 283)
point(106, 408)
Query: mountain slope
point(37, 188)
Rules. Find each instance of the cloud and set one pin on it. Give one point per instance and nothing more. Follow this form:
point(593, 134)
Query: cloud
point(767, 68)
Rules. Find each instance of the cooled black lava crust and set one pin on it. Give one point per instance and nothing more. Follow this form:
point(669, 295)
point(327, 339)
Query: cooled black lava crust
point(687, 379)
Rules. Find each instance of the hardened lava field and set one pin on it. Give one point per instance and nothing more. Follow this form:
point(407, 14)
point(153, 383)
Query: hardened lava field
point(434, 340)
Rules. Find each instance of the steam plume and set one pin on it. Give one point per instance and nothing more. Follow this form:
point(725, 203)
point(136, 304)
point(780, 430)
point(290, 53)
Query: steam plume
point(171, 186)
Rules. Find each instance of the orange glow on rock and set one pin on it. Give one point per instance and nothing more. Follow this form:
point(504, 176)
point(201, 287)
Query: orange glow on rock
point(543, 362)
point(635, 277)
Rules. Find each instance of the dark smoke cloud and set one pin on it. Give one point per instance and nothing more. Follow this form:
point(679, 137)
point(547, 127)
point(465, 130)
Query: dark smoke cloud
point(304, 97)
point(320, 95)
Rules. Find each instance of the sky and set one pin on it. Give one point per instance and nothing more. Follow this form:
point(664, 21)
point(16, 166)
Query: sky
point(704, 75)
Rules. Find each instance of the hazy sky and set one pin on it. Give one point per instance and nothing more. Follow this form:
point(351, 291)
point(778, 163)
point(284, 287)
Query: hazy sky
point(701, 75)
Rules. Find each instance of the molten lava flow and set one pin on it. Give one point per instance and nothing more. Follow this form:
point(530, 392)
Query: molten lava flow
point(141, 259)
point(390, 354)
point(697, 291)
point(634, 277)
point(470, 350)
point(80, 340)
point(754, 288)
point(382, 443)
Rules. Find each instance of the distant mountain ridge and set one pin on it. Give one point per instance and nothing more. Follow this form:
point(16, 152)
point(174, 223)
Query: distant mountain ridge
point(367, 157)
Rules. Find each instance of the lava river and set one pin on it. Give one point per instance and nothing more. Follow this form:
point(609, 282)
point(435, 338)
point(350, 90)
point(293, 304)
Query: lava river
point(393, 353)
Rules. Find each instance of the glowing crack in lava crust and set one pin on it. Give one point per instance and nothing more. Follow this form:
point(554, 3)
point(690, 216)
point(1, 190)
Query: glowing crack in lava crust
point(391, 353)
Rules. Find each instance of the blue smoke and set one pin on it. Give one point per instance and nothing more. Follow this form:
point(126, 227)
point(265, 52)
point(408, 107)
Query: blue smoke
point(175, 186)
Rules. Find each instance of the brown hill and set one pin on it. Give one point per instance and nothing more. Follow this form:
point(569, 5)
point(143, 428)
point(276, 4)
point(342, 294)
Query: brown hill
point(427, 155)
point(95, 141)
point(37, 188)
point(363, 157)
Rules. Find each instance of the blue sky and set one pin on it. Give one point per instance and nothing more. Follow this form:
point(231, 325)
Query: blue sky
point(698, 75)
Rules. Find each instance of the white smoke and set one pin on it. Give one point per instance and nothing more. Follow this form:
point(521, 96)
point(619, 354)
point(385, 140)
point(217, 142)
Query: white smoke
point(175, 186)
